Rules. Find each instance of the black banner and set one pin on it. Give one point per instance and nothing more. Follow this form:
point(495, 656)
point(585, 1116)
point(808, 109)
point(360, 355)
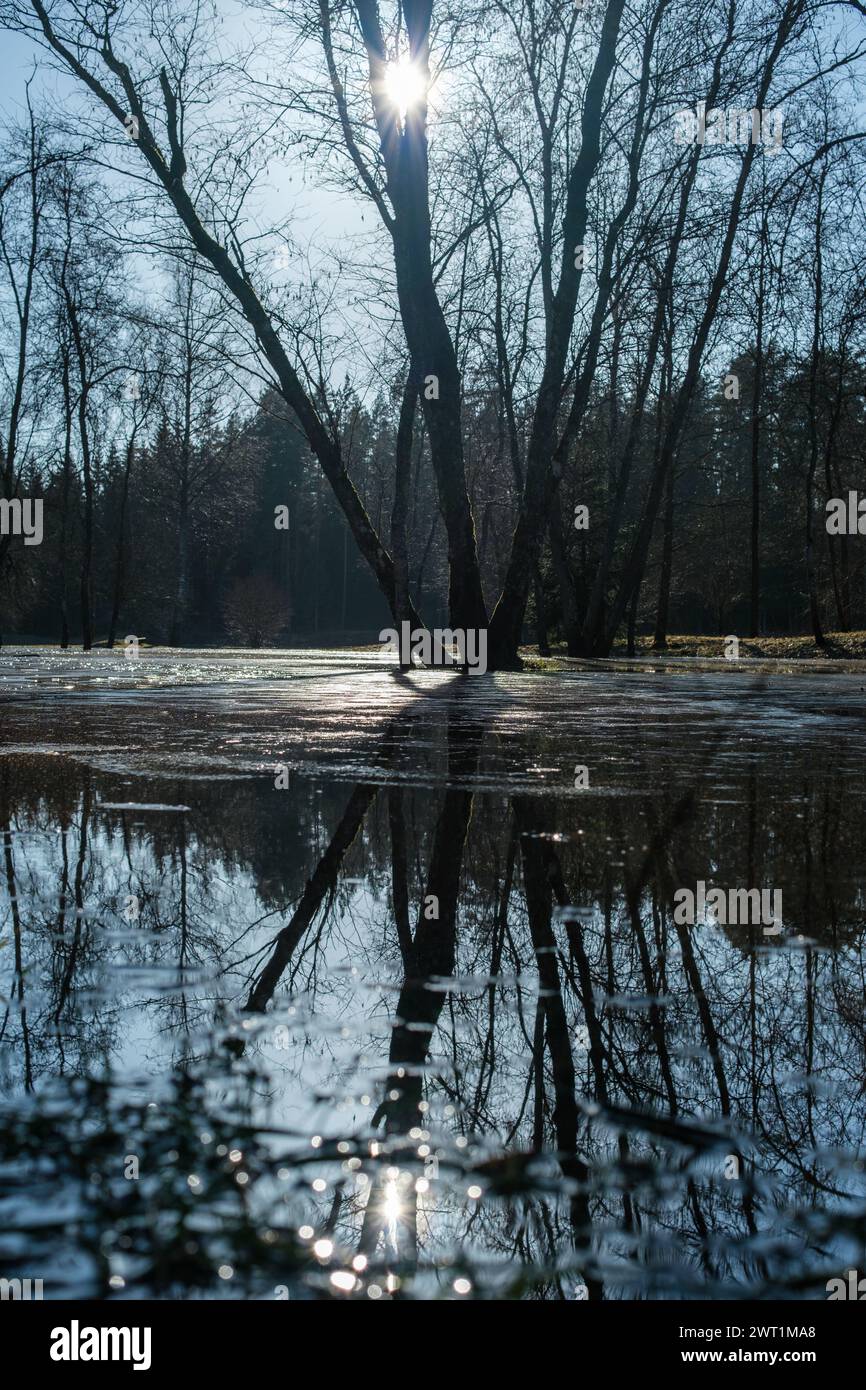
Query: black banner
point(229, 1338)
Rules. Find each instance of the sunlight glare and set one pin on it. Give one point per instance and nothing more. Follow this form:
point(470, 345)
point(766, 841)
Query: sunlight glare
point(392, 1211)
point(404, 84)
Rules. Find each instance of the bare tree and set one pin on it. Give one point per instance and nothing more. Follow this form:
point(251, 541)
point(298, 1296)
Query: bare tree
point(19, 253)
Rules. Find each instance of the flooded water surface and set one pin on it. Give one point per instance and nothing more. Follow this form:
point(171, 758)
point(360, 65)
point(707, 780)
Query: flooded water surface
point(322, 981)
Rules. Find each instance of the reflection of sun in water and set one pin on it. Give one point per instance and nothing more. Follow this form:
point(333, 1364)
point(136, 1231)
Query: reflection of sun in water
point(404, 84)
point(392, 1207)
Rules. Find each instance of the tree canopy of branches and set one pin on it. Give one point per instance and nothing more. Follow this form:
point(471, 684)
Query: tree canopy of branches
point(552, 362)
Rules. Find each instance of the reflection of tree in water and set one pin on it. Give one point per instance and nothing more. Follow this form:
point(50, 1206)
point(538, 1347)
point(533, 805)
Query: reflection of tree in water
point(590, 1071)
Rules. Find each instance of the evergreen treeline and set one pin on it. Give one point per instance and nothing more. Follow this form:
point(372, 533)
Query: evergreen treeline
point(232, 565)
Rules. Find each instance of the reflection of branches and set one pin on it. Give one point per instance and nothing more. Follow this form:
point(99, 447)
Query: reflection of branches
point(536, 880)
point(72, 957)
point(16, 931)
point(428, 959)
point(321, 883)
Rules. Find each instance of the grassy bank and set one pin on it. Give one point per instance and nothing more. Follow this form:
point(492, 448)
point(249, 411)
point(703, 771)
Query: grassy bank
point(840, 646)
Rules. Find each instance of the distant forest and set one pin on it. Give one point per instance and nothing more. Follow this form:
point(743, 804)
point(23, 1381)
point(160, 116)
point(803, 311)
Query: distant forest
point(545, 363)
point(187, 550)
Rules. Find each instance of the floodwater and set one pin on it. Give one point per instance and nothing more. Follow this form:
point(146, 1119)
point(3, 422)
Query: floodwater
point(322, 981)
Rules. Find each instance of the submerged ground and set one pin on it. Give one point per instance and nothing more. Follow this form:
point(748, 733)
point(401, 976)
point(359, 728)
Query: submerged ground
point(322, 980)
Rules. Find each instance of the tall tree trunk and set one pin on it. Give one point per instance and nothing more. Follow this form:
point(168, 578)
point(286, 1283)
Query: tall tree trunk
point(814, 607)
point(660, 639)
point(181, 592)
point(564, 579)
point(400, 508)
point(632, 621)
point(662, 612)
point(64, 503)
point(841, 587)
point(540, 615)
point(757, 393)
point(120, 549)
point(84, 384)
point(87, 545)
point(23, 306)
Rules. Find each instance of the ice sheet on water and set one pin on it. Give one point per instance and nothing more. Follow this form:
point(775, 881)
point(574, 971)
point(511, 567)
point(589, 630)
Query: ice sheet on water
point(497, 1036)
point(139, 806)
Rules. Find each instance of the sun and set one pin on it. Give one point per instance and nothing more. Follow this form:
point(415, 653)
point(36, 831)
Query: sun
point(405, 85)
